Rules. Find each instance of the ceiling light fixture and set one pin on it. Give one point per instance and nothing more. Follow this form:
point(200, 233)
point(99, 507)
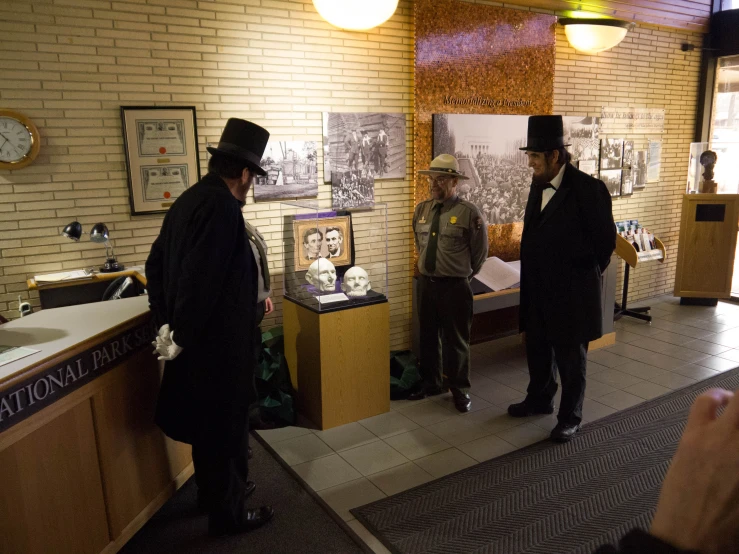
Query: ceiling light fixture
point(356, 15)
point(592, 35)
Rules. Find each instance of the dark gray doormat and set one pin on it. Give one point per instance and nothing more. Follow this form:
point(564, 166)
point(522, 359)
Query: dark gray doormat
point(546, 498)
point(302, 522)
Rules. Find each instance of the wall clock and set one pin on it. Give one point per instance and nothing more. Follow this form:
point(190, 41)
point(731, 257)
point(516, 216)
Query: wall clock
point(19, 140)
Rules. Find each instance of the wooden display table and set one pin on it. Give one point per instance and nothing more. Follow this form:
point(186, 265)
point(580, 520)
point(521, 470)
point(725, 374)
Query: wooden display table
point(705, 258)
point(82, 464)
point(339, 361)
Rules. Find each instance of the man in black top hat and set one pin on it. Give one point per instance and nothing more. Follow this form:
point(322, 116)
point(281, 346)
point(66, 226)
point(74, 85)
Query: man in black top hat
point(567, 242)
point(202, 284)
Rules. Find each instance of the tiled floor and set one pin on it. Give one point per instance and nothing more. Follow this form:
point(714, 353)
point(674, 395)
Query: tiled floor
point(417, 442)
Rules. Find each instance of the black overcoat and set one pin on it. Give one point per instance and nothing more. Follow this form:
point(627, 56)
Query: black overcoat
point(564, 251)
point(202, 280)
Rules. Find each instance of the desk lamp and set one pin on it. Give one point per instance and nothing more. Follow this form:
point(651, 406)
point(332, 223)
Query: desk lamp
point(100, 235)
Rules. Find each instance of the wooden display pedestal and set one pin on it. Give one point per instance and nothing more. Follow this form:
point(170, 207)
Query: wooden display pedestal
point(339, 361)
point(626, 251)
point(705, 259)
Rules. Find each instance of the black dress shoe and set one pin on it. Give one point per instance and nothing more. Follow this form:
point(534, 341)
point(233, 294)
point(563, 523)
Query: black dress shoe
point(564, 432)
point(423, 392)
point(462, 400)
point(251, 518)
point(523, 409)
point(248, 490)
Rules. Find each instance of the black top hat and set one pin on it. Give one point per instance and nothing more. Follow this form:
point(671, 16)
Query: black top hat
point(545, 133)
point(243, 140)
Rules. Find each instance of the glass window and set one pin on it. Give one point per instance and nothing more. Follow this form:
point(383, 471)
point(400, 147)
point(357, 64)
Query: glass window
point(729, 5)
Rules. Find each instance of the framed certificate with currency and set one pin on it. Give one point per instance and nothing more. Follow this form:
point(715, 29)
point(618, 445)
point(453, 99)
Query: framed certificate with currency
point(162, 160)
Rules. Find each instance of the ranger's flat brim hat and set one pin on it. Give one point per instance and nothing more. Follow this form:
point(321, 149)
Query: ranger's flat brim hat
point(245, 141)
point(444, 164)
point(545, 133)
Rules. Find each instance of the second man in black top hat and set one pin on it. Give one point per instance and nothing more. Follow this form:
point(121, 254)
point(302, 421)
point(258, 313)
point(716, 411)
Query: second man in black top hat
point(202, 284)
point(567, 242)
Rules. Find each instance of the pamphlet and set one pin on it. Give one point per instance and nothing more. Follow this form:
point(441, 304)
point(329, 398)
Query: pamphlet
point(12, 353)
point(498, 275)
point(65, 276)
point(329, 298)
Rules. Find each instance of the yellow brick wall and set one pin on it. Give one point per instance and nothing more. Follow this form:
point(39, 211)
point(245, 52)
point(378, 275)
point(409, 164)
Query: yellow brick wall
point(70, 65)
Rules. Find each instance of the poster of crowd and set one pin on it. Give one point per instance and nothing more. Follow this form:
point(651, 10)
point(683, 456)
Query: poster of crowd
point(612, 179)
point(611, 153)
point(352, 189)
point(292, 171)
point(369, 142)
point(488, 150)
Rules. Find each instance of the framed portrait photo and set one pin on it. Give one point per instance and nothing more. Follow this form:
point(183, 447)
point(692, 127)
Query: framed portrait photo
point(329, 238)
point(161, 145)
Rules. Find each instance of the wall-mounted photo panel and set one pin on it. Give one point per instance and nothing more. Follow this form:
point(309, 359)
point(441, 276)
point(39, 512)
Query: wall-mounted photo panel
point(611, 153)
point(628, 160)
point(627, 181)
point(291, 171)
point(612, 179)
point(370, 142)
point(352, 189)
point(639, 169)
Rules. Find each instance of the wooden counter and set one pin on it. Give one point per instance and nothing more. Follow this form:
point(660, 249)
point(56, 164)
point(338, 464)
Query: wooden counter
point(82, 465)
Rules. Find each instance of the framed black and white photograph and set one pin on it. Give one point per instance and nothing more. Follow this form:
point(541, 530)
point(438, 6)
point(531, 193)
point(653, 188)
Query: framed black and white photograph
point(639, 169)
point(611, 153)
point(292, 171)
point(627, 181)
point(161, 146)
point(370, 142)
point(580, 128)
point(654, 161)
point(352, 189)
point(612, 179)
point(628, 160)
point(588, 166)
point(328, 237)
point(585, 150)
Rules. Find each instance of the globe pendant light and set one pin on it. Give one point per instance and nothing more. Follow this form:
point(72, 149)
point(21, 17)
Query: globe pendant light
point(356, 15)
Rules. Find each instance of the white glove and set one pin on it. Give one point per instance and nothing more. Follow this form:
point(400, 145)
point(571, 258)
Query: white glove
point(166, 347)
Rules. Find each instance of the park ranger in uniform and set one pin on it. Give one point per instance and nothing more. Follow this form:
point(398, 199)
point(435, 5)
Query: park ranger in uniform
point(452, 244)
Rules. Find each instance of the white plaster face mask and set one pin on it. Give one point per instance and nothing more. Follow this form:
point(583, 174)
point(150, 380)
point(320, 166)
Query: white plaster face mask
point(356, 282)
point(322, 275)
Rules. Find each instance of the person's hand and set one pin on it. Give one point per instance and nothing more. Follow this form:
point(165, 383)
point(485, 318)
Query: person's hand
point(268, 306)
point(166, 348)
point(698, 507)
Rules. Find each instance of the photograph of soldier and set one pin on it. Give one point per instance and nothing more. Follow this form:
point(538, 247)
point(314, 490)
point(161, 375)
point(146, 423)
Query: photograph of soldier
point(611, 153)
point(353, 189)
point(292, 171)
point(371, 142)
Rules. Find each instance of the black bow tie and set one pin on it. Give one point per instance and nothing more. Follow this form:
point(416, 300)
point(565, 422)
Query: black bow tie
point(544, 186)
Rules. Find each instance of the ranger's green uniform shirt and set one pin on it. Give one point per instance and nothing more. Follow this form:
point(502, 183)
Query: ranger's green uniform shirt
point(462, 247)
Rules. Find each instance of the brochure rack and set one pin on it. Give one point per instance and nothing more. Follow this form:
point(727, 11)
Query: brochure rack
point(626, 251)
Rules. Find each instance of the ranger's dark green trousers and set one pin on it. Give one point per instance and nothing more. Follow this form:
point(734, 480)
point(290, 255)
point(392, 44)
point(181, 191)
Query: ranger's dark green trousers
point(445, 317)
